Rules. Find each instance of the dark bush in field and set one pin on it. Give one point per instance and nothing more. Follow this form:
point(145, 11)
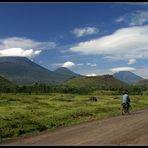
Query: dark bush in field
point(93, 99)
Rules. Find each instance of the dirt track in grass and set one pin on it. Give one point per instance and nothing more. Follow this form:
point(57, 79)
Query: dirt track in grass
point(121, 130)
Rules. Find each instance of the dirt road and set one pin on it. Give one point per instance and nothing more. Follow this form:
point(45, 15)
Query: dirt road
point(122, 130)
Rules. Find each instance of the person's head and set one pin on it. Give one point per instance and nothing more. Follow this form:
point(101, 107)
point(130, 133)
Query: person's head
point(125, 92)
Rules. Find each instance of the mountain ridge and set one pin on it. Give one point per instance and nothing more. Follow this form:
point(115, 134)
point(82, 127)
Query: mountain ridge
point(127, 76)
point(67, 72)
point(95, 82)
point(22, 71)
point(4, 81)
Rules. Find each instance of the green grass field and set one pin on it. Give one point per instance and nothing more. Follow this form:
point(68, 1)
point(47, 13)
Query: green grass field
point(23, 114)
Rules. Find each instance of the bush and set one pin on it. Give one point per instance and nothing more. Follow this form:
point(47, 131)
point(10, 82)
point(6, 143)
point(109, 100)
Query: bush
point(93, 99)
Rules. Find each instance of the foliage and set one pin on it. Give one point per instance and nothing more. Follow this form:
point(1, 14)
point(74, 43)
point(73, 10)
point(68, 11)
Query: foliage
point(23, 114)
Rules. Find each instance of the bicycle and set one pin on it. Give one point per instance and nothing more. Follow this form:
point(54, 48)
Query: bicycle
point(125, 109)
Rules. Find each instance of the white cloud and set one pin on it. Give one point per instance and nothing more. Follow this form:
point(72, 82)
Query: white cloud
point(19, 52)
point(136, 18)
point(124, 44)
point(120, 19)
point(80, 64)
point(131, 61)
point(91, 64)
point(143, 72)
point(16, 46)
point(79, 32)
point(91, 75)
point(57, 64)
point(68, 64)
point(117, 69)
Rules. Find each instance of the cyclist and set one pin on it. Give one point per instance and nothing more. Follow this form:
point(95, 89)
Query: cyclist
point(126, 101)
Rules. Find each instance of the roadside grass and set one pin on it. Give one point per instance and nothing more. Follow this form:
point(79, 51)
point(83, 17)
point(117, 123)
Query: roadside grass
point(24, 114)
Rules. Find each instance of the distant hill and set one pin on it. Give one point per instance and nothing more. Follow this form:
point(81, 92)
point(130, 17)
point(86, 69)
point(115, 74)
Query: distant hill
point(95, 82)
point(66, 73)
point(127, 76)
point(21, 70)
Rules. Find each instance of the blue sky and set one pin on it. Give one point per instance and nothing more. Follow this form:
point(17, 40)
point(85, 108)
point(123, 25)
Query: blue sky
point(88, 38)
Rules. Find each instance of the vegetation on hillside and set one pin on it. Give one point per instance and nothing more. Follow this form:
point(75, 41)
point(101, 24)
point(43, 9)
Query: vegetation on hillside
point(5, 85)
point(81, 85)
point(90, 84)
point(143, 82)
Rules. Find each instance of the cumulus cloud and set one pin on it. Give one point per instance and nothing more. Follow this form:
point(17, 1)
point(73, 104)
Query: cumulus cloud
point(91, 75)
point(124, 44)
point(120, 19)
point(117, 69)
point(136, 18)
point(143, 72)
point(131, 61)
point(16, 46)
point(91, 64)
point(79, 32)
point(57, 64)
point(68, 64)
point(80, 64)
point(19, 52)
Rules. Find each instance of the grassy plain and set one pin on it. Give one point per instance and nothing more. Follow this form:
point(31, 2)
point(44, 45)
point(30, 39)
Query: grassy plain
point(24, 114)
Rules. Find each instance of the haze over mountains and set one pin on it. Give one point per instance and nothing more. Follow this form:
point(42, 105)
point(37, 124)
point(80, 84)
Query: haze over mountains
point(22, 71)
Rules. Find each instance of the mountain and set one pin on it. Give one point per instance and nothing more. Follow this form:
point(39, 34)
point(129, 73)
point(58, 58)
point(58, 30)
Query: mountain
point(23, 71)
point(66, 73)
point(5, 85)
point(142, 82)
point(95, 82)
point(5, 82)
point(127, 76)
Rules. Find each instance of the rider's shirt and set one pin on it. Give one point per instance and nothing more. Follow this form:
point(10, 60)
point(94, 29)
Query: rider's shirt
point(125, 98)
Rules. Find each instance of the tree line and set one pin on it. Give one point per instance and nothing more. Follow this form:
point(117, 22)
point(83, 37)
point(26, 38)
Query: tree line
point(39, 88)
